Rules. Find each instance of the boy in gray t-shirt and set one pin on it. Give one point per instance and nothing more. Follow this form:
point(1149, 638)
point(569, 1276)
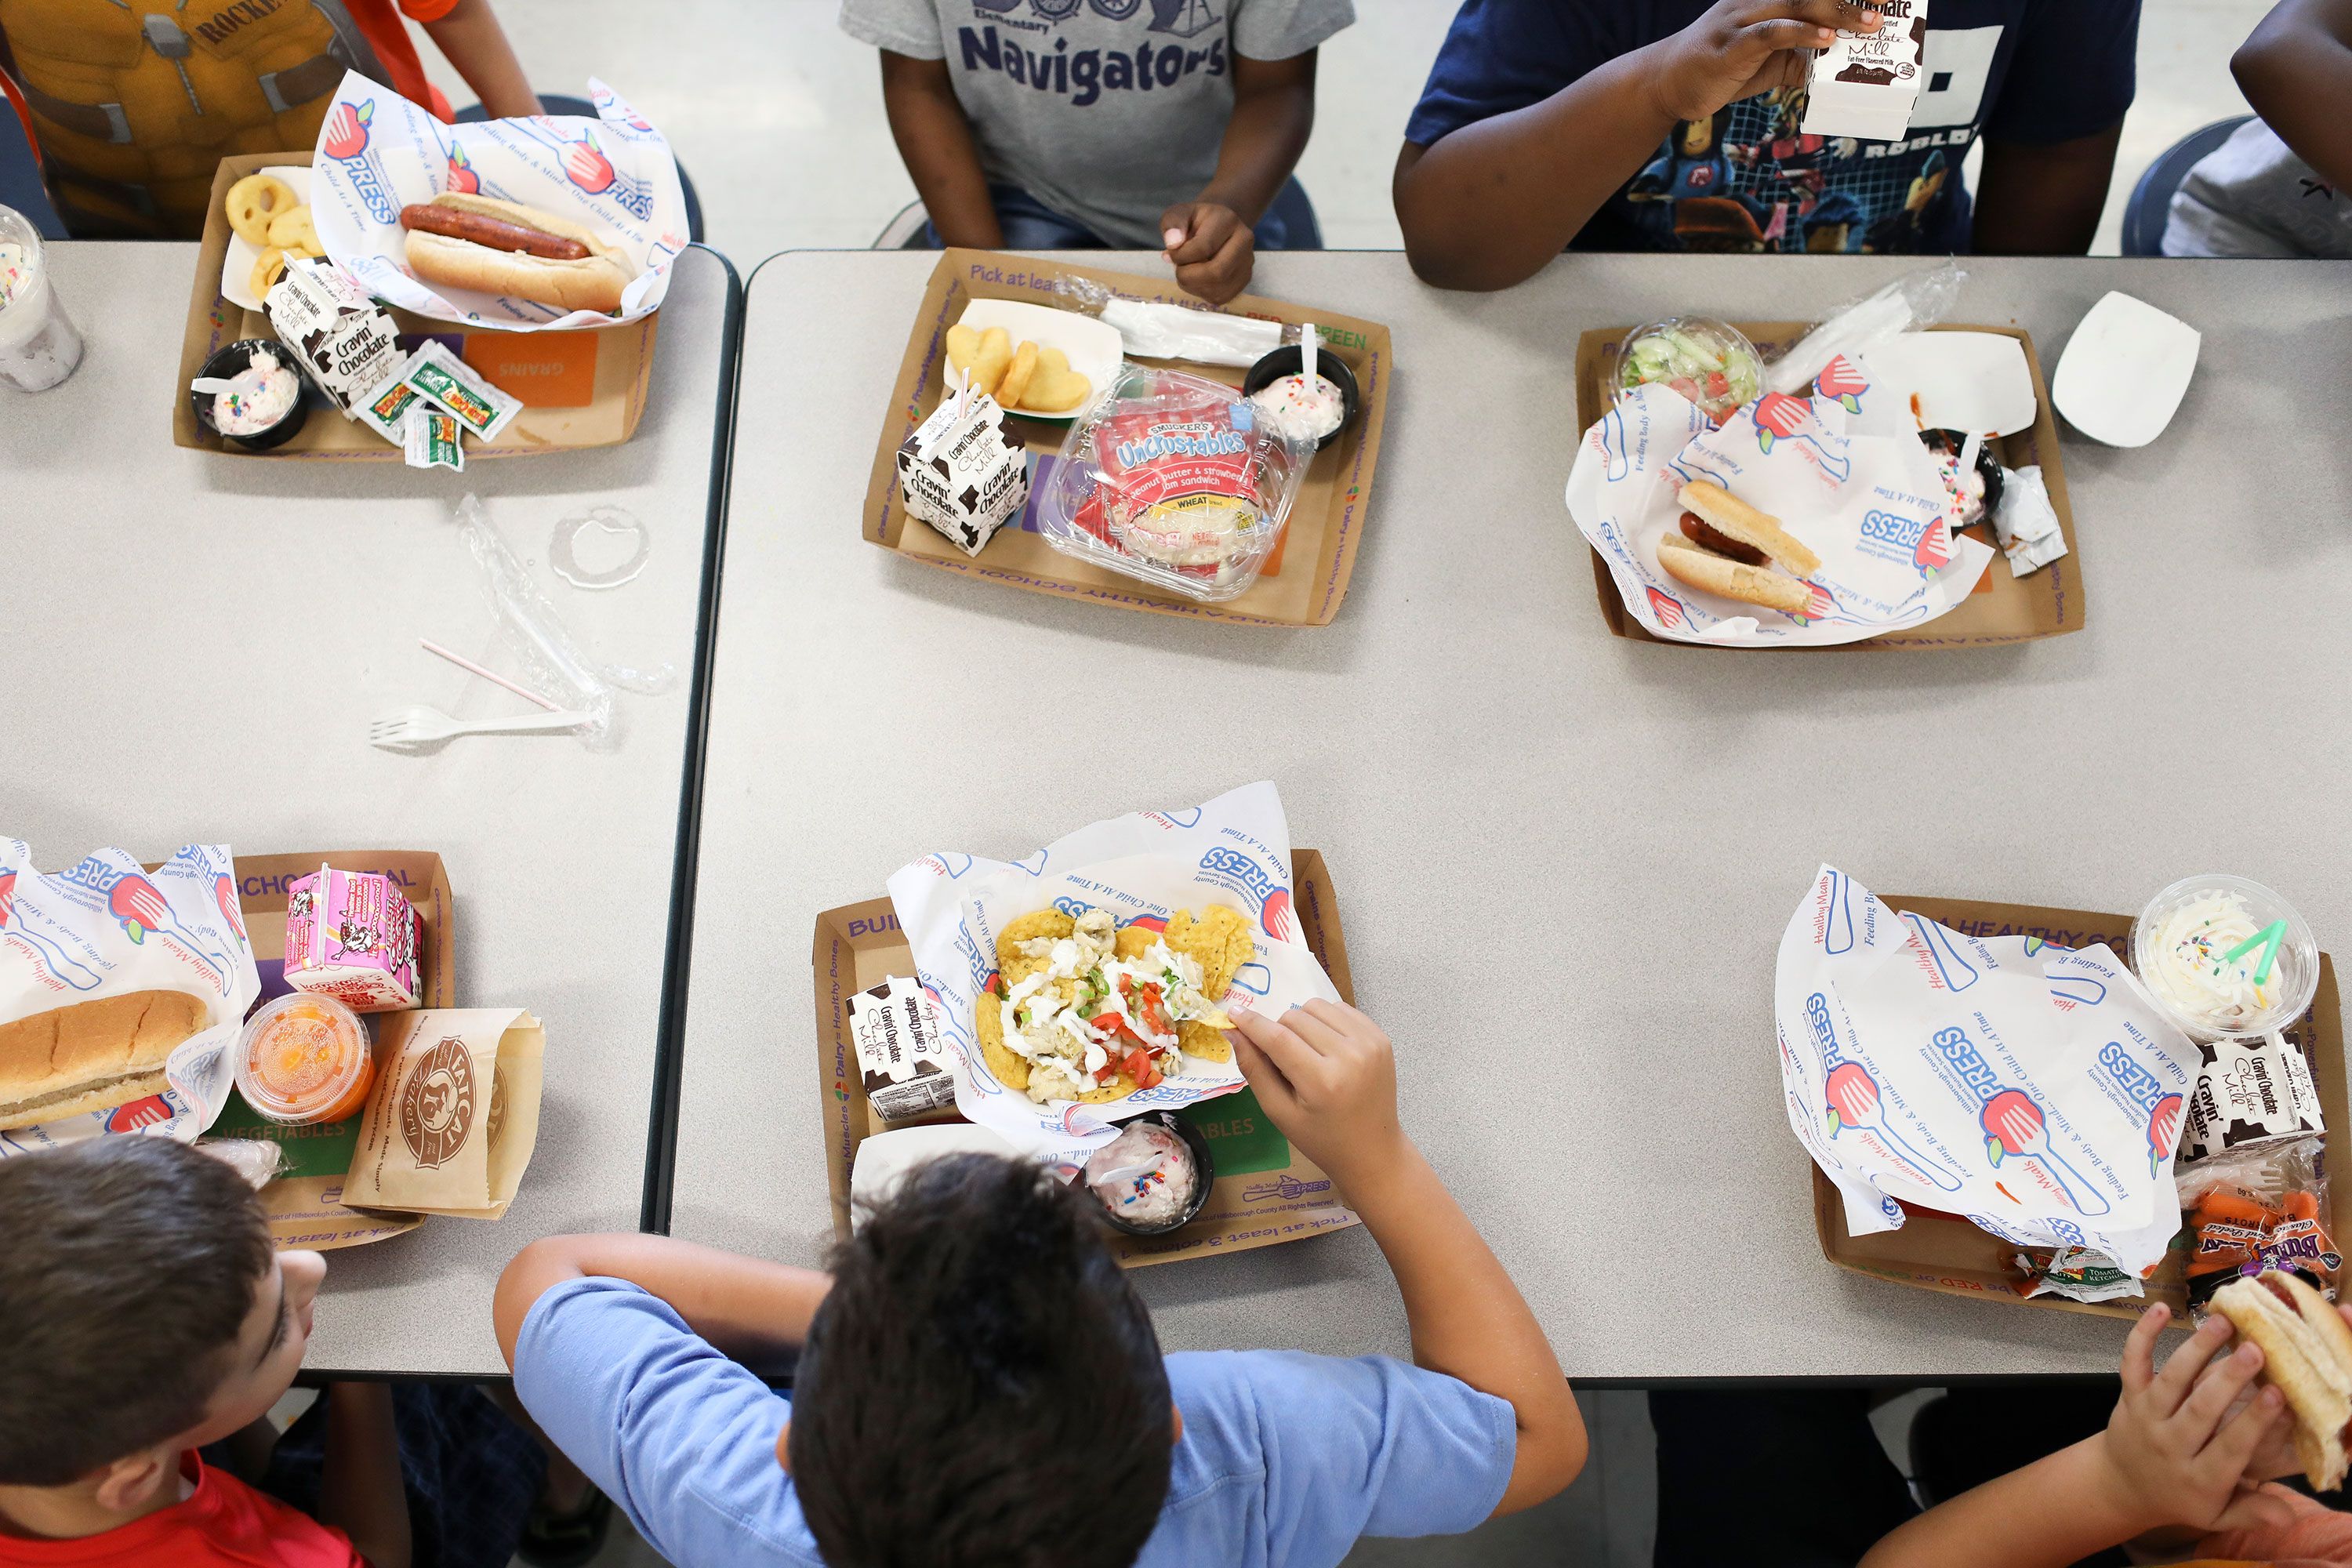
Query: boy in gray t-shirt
point(1057, 125)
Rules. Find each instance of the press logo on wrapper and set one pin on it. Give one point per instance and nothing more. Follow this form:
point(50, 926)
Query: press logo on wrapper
point(437, 1104)
point(344, 138)
point(1243, 875)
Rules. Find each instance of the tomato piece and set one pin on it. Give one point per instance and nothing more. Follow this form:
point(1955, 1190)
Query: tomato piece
point(1153, 1009)
point(1717, 383)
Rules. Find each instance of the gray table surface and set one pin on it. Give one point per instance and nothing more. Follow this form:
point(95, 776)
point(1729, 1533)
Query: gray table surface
point(197, 643)
point(1524, 817)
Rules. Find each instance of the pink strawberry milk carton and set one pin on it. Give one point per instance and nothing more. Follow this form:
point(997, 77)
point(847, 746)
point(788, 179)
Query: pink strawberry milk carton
point(351, 935)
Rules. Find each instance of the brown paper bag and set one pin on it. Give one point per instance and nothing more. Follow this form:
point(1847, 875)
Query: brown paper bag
point(454, 1115)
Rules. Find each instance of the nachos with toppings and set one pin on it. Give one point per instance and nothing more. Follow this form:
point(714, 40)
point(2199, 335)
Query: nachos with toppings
point(1084, 1009)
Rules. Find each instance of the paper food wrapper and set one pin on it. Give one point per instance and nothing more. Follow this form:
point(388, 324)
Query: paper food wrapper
point(2034, 1090)
point(455, 1113)
point(107, 928)
point(1871, 507)
point(1233, 851)
point(378, 152)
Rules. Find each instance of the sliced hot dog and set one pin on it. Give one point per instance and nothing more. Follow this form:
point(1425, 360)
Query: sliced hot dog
point(1697, 531)
point(493, 233)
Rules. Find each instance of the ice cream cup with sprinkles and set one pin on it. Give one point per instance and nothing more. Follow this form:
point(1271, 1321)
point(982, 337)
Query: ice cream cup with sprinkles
point(2226, 958)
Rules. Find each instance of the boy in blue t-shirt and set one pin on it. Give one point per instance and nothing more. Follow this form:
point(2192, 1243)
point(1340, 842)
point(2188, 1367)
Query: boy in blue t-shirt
point(1675, 125)
point(979, 1386)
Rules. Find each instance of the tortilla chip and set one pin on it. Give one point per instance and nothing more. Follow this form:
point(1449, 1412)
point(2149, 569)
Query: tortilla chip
point(1133, 941)
point(1220, 941)
point(1011, 962)
point(1012, 1070)
point(1199, 1038)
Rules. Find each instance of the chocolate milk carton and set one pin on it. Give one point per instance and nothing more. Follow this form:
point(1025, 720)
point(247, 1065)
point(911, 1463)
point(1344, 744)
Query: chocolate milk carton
point(962, 473)
point(344, 338)
point(1864, 85)
point(351, 935)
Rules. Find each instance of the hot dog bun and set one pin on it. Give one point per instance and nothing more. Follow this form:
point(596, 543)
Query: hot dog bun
point(91, 1056)
point(1704, 570)
point(2306, 1355)
point(1728, 515)
point(593, 283)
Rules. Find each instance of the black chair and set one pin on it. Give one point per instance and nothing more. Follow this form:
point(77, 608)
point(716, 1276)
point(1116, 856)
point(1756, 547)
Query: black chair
point(20, 173)
point(2150, 207)
point(473, 114)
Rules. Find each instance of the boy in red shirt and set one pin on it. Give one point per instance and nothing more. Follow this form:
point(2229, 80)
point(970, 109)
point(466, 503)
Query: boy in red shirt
point(147, 1316)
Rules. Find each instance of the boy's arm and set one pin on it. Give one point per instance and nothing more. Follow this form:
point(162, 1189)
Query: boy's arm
point(748, 1309)
point(2297, 70)
point(1487, 205)
point(2043, 199)
point(935, 143)
point(1326, 1074)
point(2173, 1455)
point(1209, 237)
point(471, 38)
point(360, 1491)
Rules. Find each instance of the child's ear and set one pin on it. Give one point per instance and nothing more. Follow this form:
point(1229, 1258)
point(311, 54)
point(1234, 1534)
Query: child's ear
point(784, 1459)
point(131, 1480)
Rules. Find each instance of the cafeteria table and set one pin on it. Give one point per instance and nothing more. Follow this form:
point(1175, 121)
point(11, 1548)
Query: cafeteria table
point(1563, 860)
point(197, 642)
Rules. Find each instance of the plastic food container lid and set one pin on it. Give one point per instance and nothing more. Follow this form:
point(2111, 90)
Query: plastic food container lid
point(2295, 972)
point(317, 1053)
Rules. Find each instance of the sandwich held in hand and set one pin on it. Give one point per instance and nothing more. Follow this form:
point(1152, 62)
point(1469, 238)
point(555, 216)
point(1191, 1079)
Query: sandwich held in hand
point(1727, 547)
point(2306, 1355)
point(1084, 1009)
point(504, 248)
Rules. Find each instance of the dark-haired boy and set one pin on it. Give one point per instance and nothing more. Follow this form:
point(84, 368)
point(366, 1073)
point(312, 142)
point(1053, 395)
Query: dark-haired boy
point(980, 1387)
point(1555, 123)
point(145, 1316)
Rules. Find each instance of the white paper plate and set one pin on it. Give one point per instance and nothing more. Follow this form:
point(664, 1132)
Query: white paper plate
point(2125, 372)
point(882, 1159)
point(236, 268)
point(1094, 347)
point(1963, 381)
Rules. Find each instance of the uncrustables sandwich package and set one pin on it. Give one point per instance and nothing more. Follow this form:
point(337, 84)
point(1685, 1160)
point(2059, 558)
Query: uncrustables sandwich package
point(122, 991)
point(454, 1115)
point(1092, 980)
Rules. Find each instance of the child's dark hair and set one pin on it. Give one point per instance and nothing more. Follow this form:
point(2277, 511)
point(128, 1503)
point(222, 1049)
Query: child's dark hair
point(128, 1266)
point(982, 1387)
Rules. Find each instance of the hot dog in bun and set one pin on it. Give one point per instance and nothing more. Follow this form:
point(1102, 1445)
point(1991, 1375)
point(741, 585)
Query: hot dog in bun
point(1724, 546)
point(2306, 1355)
point(504, 248)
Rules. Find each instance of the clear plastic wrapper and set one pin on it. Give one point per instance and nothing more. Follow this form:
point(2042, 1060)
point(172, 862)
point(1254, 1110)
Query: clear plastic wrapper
point(1911, 303)
point(1152, 331)
point(2255, 1208)
point(258, 1160)
point(1174, 479)
point(1710, 362)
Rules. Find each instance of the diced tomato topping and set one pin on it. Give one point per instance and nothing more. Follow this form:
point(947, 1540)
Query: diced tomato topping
point(1146, 1001)
point(1717, 383)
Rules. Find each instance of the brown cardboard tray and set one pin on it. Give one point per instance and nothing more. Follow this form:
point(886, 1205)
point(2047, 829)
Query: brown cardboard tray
point(304, 1203)
point(2003, 609)
point(579, 389)
point(1943, 1252)
point(1266, 1191)
point(1307, 577)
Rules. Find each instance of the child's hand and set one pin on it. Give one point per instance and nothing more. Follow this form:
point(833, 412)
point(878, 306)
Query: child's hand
point(1212, 248)
point(1741, 47)
point(1328, 1077)
point(2174, 1452)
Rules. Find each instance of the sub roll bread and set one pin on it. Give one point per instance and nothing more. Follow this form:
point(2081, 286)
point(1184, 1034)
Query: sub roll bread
point(1728, 548)
point(505, 248)
point(92, 1055)
point(2306, 1356)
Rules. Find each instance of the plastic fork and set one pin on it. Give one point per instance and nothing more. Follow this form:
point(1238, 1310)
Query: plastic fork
point(421, 726)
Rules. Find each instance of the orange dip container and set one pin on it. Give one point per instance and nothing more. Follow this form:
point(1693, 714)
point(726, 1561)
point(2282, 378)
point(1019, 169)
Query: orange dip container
point(305, 1058)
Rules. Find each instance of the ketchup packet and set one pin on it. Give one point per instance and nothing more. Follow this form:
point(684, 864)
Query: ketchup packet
point(1174, 479)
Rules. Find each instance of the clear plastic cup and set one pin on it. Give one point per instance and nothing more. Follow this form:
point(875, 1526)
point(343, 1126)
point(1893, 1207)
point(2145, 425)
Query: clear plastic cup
point(304, 1059)
point(1710, 362)
point(2178, 946)
point(39, 344)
